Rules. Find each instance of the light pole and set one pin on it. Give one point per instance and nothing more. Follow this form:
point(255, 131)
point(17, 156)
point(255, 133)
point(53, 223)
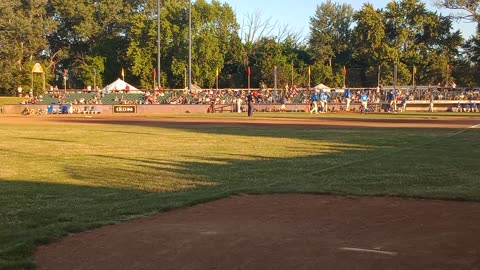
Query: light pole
point(292, 76)
point(158, 44)
point(94, 79)
point(275, 79)
point(189, 46)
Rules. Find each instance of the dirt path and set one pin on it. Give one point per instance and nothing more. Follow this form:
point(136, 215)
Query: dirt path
point(145, 120)
point(283, 232)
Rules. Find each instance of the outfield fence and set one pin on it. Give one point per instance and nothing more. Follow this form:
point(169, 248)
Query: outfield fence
point(132, 109)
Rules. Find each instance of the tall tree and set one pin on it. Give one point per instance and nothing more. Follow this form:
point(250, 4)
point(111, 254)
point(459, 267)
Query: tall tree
point(24, 28)
point(92, 28)
point(330, 34)
point(216, 28)
point(418, 37)
point(214, 35)
point(370, 49)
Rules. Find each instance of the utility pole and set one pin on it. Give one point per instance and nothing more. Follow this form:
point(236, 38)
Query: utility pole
point(292, 75)
point(275, 78)
point(158, 45)
point(190, 46)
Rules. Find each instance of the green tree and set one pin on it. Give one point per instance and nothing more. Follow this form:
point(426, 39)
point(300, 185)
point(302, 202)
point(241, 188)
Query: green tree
point(418, 37)
point(142, 47)
point(24, 28)
point(92, 28)
point(330, 35)
point(214, 38)
point(215, 27)
point(369, 45)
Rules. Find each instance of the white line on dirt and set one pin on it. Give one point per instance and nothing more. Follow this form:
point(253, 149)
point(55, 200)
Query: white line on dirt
point(476, 126)
point(369, 251)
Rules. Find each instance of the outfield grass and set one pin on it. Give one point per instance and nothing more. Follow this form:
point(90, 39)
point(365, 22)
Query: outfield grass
point(56, 179)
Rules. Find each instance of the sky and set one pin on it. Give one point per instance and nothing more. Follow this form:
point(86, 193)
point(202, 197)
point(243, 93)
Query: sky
point(296, 13)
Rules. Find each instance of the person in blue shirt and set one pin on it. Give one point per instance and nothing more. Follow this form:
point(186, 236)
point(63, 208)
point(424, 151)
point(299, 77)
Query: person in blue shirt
point(364, 100)
point(348, 97)
point(324, 100)
point(314, 103)
point(394, 101)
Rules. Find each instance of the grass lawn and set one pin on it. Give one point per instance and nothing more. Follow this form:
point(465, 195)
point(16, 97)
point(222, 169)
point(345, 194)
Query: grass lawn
point(56, 179)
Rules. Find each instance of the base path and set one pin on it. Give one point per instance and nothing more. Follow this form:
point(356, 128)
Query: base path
point(283, 232)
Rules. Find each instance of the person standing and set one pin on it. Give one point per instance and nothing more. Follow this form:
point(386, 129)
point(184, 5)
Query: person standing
point(348, 97)
point(404, 103)
point(324, 100)
point(364, 100)
point(19, 90)
point(394, 101)
point(390, 100)
point(430, 107)
point(239, 103)
point(283, 101)
point(314, 103)
point(250, 104)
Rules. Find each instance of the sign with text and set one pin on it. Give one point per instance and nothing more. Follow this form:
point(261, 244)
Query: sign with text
point(124, 109)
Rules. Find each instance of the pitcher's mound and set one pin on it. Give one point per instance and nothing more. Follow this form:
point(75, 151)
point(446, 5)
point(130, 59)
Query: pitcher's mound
point(283, 232)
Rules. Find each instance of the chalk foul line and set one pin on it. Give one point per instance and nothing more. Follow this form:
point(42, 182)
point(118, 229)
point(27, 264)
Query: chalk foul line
point(369, 251)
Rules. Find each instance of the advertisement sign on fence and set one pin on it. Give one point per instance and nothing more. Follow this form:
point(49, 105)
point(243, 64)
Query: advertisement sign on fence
point(124, 109)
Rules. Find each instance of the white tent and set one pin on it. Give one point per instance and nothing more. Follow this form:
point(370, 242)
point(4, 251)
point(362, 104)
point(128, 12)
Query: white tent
point(120, 85)
point(194, 88)
point(321, 87)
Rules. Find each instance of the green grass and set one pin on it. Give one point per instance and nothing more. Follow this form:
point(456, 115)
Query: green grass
point(11, 100)
point(57, 179)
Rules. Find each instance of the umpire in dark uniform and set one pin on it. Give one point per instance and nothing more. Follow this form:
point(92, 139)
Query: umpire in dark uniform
point(250, 104)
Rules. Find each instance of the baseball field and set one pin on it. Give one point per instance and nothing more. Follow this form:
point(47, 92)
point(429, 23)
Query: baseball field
point(223, 191)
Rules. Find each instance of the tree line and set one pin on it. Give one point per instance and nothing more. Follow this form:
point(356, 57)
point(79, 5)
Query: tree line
point(92, 42)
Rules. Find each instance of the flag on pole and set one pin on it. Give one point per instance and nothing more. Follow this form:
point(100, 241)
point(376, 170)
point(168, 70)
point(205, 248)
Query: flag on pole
point(123, 74)
point(249, 71)
point(154, 73)
point(309, 71)
point(344, 71)
point(217, 72)
point(414, 70)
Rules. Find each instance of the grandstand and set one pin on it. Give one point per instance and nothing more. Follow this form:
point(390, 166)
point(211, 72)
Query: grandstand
point(418, 98)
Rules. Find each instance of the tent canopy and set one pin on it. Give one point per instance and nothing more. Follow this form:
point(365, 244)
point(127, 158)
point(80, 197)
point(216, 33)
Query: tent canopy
point(194, 88)
point(321, 87)
point(120, 85)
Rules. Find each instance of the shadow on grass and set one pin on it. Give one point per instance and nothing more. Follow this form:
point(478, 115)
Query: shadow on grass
point(36, 213)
